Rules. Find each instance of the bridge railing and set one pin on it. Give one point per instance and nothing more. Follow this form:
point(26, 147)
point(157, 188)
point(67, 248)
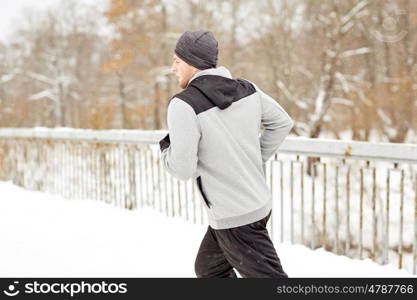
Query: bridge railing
point(357, 199)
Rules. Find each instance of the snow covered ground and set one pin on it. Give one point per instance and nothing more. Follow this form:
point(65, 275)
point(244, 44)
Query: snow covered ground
point(48, 236)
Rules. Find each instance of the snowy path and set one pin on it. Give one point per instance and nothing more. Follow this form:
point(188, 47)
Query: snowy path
point(45, 235)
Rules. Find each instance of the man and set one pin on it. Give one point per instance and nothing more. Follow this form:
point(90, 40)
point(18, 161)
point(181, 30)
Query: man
point(214, 126)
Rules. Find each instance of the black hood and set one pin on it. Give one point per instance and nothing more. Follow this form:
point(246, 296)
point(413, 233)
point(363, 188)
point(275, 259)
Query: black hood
point(222, 91)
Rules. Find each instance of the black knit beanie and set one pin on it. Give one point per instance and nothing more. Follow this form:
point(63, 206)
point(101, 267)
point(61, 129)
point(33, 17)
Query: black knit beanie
point(198, 48)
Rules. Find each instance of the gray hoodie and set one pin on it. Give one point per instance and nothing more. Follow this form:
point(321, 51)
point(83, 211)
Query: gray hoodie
point(214, 126)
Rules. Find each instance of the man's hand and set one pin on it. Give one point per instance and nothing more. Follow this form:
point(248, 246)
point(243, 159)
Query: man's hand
point(165, 142)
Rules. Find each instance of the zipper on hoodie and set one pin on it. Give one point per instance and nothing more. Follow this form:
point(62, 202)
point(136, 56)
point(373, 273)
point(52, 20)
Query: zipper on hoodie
point(200, 187)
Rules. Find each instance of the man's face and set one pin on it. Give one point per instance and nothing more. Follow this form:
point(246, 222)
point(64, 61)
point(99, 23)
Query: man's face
point(183, 71)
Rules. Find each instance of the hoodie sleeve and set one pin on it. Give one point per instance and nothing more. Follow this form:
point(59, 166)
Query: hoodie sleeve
point(277, 124)
point(179, 148)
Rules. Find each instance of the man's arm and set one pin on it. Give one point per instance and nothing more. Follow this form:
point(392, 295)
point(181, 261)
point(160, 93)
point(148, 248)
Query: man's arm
point(179, 148)
point(277, 124)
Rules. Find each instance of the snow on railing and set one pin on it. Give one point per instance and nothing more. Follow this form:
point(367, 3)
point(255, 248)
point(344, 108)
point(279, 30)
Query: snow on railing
point(357, 199)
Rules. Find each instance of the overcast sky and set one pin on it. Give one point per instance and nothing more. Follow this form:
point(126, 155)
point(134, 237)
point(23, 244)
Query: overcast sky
point(11, 10)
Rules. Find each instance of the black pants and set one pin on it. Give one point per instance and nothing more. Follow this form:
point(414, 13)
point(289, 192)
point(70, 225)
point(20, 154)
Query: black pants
point(246, 248)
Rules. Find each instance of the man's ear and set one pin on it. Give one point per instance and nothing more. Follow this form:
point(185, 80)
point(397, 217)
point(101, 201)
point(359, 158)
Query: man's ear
point(195, 70)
